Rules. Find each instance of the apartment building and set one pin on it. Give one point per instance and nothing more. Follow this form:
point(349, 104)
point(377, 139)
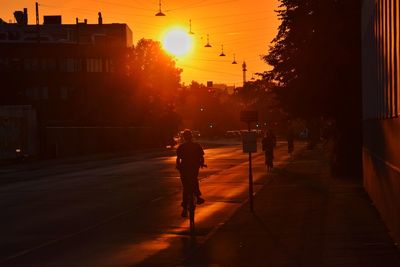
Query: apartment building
point(381, 103)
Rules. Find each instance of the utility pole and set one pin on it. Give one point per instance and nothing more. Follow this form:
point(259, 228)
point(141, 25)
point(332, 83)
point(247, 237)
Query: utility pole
point(249, 145)
point(37, 13)
point(251, 191)
point(37, 22)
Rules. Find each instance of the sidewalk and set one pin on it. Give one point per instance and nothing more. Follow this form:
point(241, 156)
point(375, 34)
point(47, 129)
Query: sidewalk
point(303, 217)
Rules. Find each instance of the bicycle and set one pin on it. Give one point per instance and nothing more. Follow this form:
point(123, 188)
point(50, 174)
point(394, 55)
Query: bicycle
point(191, 206)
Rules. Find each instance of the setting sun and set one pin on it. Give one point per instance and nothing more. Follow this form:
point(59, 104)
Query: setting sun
point(177, 42)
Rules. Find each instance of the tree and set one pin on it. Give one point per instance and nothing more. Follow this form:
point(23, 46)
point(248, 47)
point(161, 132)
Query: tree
point(154, 71)
point(155, 81)
point(316, 60)
point(212, 111)
point(259, 95)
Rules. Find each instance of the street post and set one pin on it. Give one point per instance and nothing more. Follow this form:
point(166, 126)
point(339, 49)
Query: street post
point(250, 145)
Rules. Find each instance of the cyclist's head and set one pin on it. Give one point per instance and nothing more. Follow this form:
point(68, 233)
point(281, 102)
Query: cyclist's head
point(187, 135)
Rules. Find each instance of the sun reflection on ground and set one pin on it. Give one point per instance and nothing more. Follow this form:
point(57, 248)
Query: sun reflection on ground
point(208, 216)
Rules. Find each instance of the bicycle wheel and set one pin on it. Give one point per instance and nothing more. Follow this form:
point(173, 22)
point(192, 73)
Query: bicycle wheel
point(192, 207)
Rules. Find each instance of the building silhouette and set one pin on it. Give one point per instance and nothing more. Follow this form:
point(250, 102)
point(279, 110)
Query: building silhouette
point(66, 72)
point(381, 102)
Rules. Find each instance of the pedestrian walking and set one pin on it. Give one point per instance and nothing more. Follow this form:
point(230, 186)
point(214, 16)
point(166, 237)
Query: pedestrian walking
point(268, 144)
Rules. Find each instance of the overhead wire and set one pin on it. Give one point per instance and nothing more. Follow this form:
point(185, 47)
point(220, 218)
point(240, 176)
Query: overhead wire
point(121, 5)
point(212, 30)
point(211, 71)
point(236, 15)
point(187, 5)
point(197, 6)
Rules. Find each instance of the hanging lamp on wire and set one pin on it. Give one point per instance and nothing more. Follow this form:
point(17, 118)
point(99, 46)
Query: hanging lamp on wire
point(222, 51)
point(234, 59)
point(160, 14)
point(208, 41)
point(190, 27)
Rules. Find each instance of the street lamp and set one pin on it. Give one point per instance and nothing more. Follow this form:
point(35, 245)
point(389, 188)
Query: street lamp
point(159, 14)
point(244, 69)
point(190, 27)
point(208, 41)
point(222, 51)
point(234, 59)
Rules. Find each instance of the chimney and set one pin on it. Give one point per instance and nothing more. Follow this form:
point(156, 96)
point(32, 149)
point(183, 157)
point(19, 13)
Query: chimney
point(26, 15)
point(100, 19)
point(54, 20)
point(85, 21)
point(21, 17)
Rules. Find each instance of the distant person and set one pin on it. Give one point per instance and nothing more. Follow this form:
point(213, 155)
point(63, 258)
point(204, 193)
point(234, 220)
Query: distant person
point(290, 140)
point(268, 144)
point(190, 158)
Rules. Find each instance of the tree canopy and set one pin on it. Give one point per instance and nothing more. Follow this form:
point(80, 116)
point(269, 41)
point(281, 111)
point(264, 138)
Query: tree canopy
point(156, 82)
point(316, 60)
point(316, 57)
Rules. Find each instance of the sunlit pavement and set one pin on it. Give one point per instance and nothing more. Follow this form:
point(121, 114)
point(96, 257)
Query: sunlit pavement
point(126, 212)
point(303, 217)
point(117, 212)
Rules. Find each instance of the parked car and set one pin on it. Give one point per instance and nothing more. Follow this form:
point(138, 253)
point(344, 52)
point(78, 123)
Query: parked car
point(232, 134)
point(179, 136)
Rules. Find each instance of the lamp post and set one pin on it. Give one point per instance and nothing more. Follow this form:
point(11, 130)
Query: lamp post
point(244, 68)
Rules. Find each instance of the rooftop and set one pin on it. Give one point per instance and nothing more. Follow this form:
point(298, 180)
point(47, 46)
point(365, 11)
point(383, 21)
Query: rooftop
point(53, 31)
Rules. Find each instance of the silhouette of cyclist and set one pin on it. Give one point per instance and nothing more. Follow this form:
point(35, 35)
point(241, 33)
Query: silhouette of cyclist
point(190, 158)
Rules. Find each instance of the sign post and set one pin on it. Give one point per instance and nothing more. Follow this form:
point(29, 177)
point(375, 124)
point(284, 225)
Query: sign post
point(249, 146)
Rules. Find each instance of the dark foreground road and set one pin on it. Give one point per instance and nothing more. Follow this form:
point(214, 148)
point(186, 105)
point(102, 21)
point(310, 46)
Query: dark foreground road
point(117, 211)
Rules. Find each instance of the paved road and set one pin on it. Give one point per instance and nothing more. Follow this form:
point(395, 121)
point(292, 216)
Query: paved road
point(117, 211)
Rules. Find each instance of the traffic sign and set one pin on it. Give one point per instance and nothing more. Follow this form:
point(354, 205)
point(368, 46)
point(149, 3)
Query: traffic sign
point(249, 116)
point(249, 142)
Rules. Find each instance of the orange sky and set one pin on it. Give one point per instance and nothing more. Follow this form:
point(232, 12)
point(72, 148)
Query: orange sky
point(244, 27)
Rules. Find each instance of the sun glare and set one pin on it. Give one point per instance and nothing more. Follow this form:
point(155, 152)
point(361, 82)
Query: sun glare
point(177, 42)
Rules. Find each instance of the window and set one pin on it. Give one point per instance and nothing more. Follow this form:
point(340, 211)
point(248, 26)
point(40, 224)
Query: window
point(37, 92)
point(3, 64)
point(107, 65)
point(397, 51)
point(94, 65)
point(15, 64)
point(65, 92)
point(395, 59)
point(49, 64)
point(70, 65)
point(31, 64)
